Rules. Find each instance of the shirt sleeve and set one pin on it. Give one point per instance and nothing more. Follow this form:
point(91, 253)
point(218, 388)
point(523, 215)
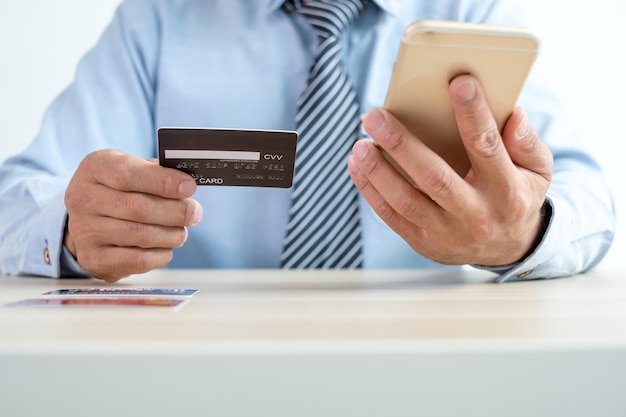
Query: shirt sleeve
point(108, 105)
point(31, 242)
point(581, 227)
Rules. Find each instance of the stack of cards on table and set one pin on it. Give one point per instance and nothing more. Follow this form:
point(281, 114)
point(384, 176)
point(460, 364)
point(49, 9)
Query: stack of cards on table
point(171, 298)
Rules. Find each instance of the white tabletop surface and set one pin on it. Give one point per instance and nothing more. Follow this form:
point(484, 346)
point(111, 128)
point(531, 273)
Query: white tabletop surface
point(312, 343)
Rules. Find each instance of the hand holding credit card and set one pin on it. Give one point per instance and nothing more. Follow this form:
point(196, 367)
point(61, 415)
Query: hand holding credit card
point(101, 200)
point(225, 157)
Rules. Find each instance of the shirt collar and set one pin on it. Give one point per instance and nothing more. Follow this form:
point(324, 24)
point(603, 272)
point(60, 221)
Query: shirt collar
point(389, 6)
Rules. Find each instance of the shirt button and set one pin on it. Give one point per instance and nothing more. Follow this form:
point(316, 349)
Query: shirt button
point(525, 274)
point(46, 256)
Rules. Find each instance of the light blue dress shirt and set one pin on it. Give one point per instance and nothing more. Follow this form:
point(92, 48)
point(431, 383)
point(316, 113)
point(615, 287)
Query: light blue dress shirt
point(243, 64)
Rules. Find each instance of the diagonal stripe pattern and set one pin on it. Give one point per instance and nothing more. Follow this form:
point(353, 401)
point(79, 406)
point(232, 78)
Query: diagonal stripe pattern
point(324, 229)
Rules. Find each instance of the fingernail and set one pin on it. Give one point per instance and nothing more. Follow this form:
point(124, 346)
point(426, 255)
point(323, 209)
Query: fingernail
point(186, 236)
point(373, 121)
point(522, 129)
point(197, 213)
point(187, 188)
point(465, 90)
point(359, 150)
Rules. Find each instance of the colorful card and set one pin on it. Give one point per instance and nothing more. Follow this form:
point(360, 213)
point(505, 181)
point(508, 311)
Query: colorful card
point(108, 302)
point(121, 292)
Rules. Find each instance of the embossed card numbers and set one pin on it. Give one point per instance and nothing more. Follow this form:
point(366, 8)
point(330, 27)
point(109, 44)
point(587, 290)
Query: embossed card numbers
point(230, 157)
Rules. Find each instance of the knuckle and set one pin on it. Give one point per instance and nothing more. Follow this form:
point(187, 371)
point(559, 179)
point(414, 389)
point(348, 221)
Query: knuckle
point(517, 207)
point(480, 228)
point(72, 198)
point(91, 159)
point(120, 173)
point(439, 183)
point(486, 142)
point(408, 208)
point(143, 262)
point(531, 143)
point(187, 213)
point(534, 146)
point(92, 263)
point(139, 232)
point(153, 258)
point(372, 168)
point(81, 229)
point(134, 204)
point(396, 140)
point(421, 242)
point(169, 185)
point(385, 212)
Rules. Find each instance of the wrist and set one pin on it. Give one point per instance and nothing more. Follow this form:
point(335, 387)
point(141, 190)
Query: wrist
point(545, 215)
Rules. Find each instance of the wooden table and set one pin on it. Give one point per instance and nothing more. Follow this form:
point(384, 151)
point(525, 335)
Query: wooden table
point(312, 343)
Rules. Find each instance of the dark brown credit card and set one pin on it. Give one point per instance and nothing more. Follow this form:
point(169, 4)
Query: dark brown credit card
point(229, 157)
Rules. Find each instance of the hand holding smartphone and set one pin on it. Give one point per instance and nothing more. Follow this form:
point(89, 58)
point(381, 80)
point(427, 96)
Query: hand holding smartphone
point(431, 54)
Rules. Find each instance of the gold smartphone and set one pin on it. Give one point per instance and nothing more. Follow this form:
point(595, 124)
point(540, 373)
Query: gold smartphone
point(432, 53)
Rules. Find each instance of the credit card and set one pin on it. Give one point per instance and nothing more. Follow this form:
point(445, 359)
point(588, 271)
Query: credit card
point(108, 302)
point(229, 157)
point(121, 292)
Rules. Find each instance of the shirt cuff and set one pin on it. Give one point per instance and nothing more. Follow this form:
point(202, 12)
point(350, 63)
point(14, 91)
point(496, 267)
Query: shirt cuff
point(538, 263)
point(70, 266)
point(44, 248)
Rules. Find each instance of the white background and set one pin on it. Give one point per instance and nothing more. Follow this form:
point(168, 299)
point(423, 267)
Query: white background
point(42, 40)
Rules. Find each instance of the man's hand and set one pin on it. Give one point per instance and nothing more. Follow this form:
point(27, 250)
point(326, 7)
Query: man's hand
point(126, 214)
point(491, 217)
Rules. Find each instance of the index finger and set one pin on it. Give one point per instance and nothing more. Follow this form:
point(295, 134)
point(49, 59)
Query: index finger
point(124, 172)
point(479, 130)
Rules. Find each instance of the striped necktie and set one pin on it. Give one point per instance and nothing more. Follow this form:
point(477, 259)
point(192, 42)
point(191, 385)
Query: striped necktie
point(324, 229)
